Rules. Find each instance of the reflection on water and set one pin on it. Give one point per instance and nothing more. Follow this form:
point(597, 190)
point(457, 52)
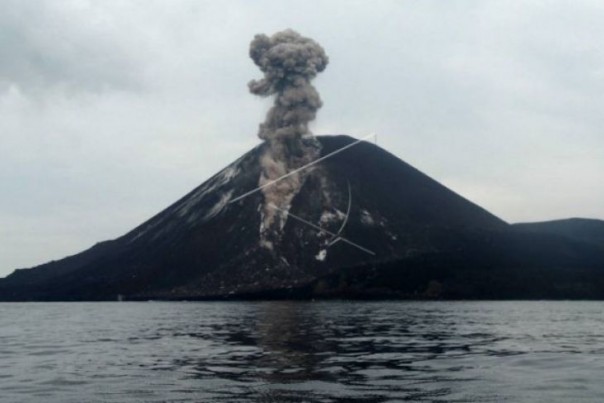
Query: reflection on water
point(302, 351)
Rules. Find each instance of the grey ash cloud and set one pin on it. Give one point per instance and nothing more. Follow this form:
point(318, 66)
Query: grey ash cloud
point(289, 62)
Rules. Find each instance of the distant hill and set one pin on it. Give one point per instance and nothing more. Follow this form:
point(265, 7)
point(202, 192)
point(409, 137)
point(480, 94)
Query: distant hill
point(579, 229)
point(418, 239)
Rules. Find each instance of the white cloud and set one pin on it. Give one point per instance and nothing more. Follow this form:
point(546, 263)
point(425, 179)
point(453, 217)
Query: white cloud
point(112, 110)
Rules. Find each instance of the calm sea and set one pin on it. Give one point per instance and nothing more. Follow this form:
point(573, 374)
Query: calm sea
point(302, 352)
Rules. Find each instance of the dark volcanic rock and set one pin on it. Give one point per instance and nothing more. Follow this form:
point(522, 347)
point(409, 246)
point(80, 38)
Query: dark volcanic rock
point(426, 242)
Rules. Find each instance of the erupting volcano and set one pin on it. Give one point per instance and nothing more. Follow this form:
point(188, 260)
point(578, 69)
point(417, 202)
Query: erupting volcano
point(301, 216)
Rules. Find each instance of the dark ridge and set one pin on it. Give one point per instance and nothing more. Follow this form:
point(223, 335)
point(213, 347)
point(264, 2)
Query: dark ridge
point(578, 229)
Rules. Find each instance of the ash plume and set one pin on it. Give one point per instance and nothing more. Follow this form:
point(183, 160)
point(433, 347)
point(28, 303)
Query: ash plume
point(289, 62)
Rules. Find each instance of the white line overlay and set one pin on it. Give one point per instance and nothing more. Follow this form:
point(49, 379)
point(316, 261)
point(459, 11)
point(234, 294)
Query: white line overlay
point(323, 158)
point(338, 237)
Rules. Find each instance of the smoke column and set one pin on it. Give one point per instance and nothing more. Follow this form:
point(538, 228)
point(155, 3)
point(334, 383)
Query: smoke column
point(289, 62)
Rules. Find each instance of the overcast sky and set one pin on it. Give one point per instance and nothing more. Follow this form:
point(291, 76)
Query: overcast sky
point(112, 110)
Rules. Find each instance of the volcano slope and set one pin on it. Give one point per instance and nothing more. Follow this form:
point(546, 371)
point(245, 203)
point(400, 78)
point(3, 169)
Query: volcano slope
point(418, 238)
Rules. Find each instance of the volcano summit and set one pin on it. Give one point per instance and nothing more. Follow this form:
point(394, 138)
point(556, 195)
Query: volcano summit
point(203, 245)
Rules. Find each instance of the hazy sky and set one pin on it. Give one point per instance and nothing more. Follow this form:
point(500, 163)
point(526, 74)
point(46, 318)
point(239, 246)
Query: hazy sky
point(112, 110)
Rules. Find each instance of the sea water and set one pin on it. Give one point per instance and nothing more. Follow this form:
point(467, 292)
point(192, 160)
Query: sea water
point(302, 352)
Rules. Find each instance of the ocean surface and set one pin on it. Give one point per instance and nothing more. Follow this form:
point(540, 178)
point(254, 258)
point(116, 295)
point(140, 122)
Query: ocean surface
point(302, 352)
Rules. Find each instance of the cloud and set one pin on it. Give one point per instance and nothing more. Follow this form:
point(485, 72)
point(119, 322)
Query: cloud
point(77, 45)
point(110, 111)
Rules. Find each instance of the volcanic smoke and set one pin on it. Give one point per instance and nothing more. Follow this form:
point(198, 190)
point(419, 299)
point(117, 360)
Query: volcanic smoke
point(289, 62)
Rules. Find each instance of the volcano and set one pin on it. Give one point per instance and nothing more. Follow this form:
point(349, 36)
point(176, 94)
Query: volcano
point(364, 225)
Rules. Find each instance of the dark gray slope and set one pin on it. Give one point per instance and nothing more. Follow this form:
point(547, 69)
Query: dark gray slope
point(202, 246)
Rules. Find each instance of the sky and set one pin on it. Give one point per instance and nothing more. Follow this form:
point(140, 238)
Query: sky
point(112, 110)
